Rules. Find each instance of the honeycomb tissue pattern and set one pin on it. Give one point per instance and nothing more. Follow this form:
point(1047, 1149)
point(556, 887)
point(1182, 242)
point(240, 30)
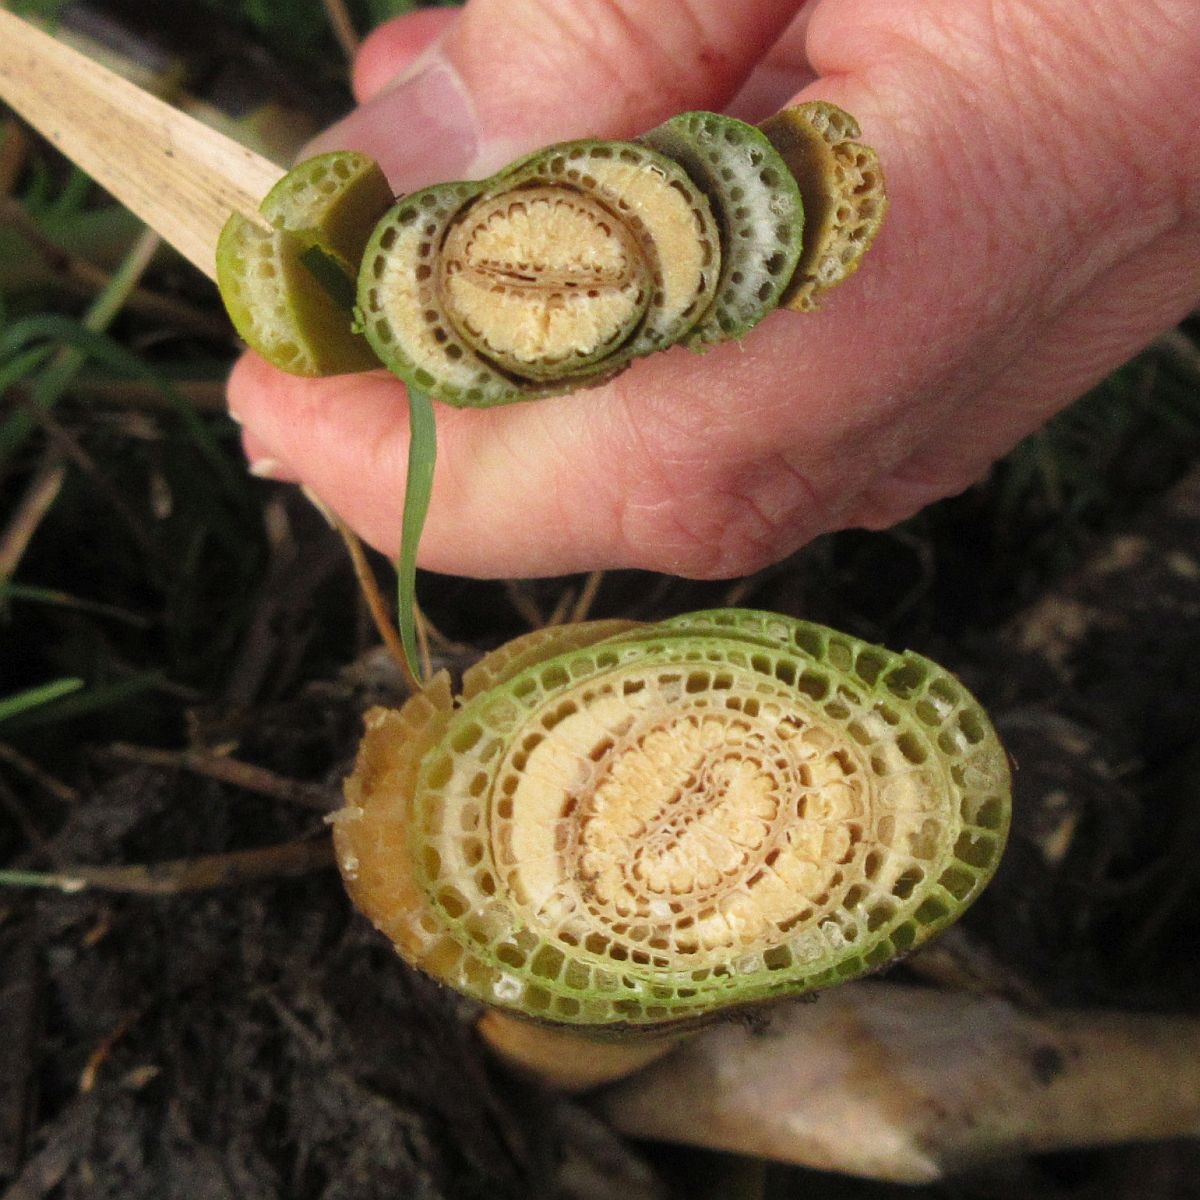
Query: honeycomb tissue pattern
point(643, 826)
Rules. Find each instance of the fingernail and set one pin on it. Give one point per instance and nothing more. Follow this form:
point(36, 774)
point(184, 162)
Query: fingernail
point(266, 468)
point(421, 130)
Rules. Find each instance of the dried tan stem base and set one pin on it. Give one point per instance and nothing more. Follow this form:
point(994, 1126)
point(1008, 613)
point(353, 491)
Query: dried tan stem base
point(569, 1062)
point(910, 1084)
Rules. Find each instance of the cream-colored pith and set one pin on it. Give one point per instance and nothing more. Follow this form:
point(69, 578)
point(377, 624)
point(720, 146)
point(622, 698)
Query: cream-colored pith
point(683, 234)
point(543, 277)
point(693, 831)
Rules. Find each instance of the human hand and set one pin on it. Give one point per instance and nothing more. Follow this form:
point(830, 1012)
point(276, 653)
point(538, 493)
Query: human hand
point(1044, 224)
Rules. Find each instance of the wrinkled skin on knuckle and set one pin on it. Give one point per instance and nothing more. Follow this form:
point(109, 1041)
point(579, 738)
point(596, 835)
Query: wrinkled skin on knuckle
point(721, 522)
point(1088, 97)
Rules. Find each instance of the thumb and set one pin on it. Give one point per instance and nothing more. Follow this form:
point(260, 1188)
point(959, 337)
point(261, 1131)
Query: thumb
point(508, 76)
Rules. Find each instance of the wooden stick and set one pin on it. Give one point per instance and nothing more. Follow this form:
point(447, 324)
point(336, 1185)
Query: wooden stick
point(179, 176)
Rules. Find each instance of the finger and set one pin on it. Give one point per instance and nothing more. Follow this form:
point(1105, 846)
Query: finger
point(1061, 248)
point(391, 48)
point(675, 466)
point(1102, 327)
point(714, 465)
point(782, 71)
point(508, 77)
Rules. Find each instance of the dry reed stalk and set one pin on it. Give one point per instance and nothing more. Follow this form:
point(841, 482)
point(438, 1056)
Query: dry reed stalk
point(179, 176)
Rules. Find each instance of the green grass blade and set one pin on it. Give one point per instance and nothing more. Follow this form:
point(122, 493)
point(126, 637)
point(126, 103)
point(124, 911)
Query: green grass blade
point(40, 879)
point(86, 339)
point(35, 697)
point(422, 455)
point(324, 268)
point(82, 344)
point(83, 703)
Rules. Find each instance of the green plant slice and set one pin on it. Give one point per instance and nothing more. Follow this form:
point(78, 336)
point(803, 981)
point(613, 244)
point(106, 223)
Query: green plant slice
point(757, 204)
point(401, 310)
point(643, 829)
point(552, 274)
point(335, 199)
point(843, 189)
point(287, 283)
point(279, 307)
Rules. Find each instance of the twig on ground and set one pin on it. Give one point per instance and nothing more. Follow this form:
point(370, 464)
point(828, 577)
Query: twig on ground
point(376, 605)
point(239, 774)
point(46, 781)
point(186, 875)
point(100, 1055)
point(37, 501)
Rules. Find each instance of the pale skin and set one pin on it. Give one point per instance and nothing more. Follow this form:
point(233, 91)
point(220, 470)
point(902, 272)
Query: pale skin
point(1044, 171)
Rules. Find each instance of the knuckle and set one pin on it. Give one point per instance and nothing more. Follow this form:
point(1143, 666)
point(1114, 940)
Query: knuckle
point(716, 525)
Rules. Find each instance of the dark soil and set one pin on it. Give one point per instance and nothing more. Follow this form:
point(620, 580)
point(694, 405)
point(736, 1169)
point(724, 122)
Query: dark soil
point(260, 1040)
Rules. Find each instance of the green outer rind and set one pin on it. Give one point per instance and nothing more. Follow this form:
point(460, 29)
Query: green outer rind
point(937, 711)
point(334, 198)
point(757, 203)
point(400, 264)
point(278, 305)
